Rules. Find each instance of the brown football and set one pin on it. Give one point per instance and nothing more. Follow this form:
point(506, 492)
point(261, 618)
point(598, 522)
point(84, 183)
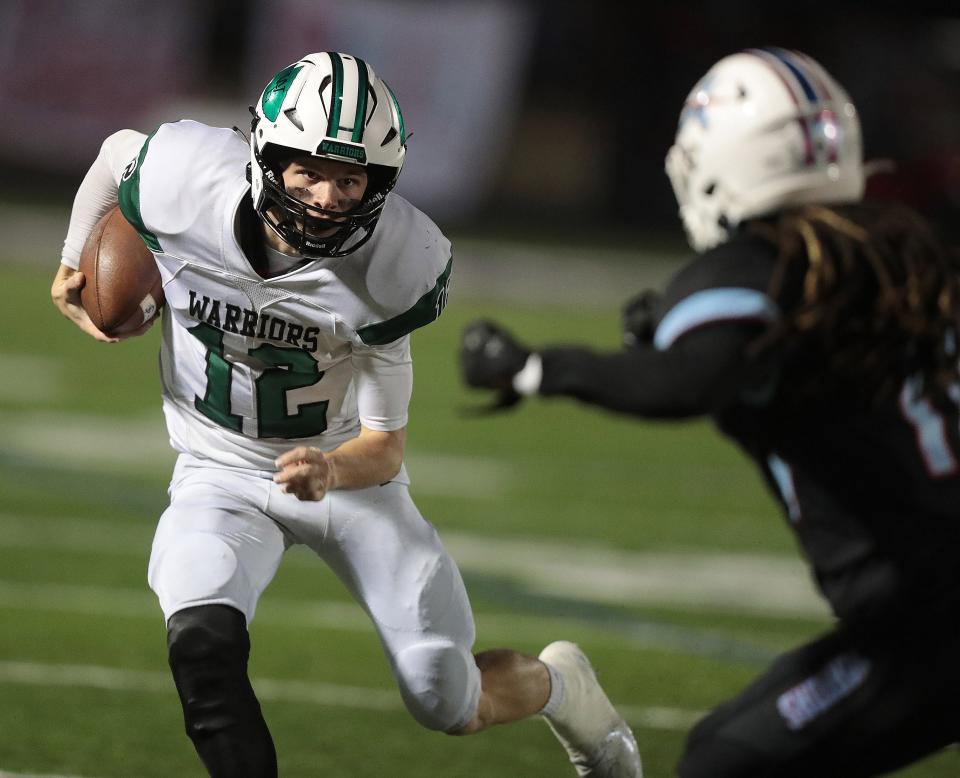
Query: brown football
point(123, 289)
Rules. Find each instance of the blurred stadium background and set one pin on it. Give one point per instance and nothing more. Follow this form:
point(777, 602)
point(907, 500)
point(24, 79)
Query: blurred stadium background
point(539, 130)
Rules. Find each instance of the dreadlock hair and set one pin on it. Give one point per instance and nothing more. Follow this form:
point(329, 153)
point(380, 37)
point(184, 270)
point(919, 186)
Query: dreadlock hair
point(869, 295)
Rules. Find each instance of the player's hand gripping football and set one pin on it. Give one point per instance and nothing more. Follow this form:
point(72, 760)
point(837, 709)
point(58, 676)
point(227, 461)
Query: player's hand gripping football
point(305, 473)
point(65, 292)
point(489, 359)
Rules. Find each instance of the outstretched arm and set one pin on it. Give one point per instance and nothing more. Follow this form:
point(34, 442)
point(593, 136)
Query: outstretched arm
point(65, 292)
point(700, 373)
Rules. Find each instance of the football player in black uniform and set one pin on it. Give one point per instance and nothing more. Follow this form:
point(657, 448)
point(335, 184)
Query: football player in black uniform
point(820, 332)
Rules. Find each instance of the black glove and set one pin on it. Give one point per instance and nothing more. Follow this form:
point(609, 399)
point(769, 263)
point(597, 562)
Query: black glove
point(640, 317)
point(489, 359)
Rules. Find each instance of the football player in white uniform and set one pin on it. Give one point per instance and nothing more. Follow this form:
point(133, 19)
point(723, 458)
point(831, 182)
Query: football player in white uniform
point(293, 278)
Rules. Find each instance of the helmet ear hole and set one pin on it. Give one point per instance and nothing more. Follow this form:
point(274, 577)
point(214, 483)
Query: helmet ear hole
point(294, 117)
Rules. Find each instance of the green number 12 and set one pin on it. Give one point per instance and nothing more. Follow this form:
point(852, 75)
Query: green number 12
point(288, 369)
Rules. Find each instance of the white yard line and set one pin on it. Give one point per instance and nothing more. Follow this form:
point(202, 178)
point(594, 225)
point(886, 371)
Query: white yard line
point(89, 443)
point(740, 583)
point(107, 444)
point(141, 603)
point(756, 583)
point(31, 378)
point(493, 628)
point(270, 689)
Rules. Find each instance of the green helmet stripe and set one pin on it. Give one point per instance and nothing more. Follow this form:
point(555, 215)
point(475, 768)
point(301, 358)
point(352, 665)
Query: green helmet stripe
point(336, 95)
point(396, 105)
point(276, 91)
point(361, 114)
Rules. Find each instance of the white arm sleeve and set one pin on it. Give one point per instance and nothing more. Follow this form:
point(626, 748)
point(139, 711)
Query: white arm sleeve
point(98, 190)
point(384, 381)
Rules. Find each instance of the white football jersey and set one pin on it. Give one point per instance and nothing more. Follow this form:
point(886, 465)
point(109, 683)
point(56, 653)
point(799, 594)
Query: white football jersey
point(253, 366)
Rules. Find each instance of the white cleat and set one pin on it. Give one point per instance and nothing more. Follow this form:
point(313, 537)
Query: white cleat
point(598, 740)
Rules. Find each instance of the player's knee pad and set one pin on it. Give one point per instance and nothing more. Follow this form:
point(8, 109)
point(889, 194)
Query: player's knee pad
point(439, 683)
point(208, 650)
point(209, 647)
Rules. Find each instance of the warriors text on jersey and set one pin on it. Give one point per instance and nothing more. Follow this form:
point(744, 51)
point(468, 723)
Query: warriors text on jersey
point(250, 364)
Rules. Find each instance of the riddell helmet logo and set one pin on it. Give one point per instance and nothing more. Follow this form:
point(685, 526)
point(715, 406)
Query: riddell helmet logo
point(339, 149)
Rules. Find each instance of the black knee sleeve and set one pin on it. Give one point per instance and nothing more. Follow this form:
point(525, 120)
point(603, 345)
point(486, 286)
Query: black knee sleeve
point(208, 650)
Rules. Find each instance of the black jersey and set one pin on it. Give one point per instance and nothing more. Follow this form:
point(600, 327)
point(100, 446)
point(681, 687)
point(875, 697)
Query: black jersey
point(872, 490)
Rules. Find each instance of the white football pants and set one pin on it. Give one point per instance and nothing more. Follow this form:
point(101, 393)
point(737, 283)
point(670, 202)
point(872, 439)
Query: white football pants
point(221, 540)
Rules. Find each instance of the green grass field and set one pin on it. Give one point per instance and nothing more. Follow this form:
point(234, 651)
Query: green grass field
point(554, 511)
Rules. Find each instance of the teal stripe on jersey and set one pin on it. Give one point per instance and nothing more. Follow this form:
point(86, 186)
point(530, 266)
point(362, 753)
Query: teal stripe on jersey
point(783, 474)
point(709, 305)
point(129, 196)
point(361, 113)
point(336, 96)
point(426, 309)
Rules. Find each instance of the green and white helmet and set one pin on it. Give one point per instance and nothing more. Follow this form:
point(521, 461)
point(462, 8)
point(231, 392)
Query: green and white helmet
point(331, 106)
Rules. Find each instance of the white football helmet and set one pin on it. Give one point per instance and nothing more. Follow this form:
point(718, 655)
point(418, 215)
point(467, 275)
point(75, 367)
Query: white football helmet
point(332, 106)
point(762, 130)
